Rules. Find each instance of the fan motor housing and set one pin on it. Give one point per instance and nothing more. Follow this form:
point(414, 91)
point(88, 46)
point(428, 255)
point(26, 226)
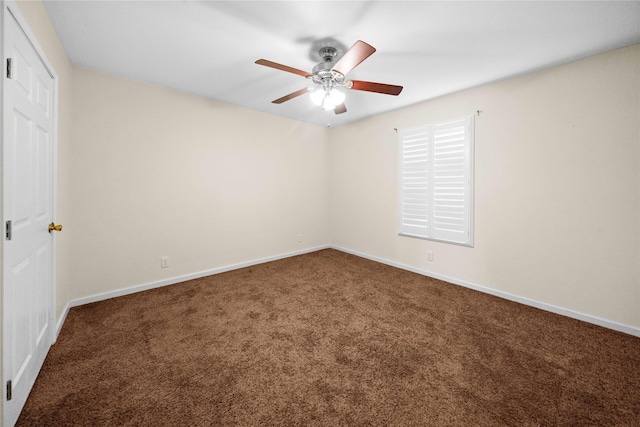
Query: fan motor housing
point(323, 69)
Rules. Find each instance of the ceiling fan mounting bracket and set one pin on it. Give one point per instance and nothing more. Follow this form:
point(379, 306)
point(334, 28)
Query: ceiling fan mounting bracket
point(328, 53)
point(316, 49)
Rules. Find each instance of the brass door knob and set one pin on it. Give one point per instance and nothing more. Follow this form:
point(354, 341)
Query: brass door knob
point(53, 227)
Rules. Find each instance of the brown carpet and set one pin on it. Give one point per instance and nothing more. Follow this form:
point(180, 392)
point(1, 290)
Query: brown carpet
point(331, 339)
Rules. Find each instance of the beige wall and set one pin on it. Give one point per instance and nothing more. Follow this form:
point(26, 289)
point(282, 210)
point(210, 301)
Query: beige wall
point(162, 173)
point(556, 187)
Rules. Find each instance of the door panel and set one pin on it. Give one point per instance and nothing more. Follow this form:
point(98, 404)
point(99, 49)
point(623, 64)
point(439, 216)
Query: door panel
point(21, 339)
point(42, 191)
point(18, 162)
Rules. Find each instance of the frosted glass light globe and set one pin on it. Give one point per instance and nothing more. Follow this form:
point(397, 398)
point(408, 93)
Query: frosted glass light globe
point(328, 104)
point(337, 97)
point(317, 96)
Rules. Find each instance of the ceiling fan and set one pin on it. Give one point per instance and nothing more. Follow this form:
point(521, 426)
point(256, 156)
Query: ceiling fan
point(330, 74)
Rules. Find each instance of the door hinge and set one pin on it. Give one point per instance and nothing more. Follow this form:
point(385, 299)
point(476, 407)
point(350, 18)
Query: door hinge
point(9, 69)
point(9, 391)
point(7, 234)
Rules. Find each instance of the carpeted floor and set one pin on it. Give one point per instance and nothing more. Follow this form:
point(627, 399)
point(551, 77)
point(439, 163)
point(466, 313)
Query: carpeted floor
point(330, 339)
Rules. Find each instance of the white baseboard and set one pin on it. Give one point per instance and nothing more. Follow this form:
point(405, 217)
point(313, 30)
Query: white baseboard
point(177, 279)
point(620, 327)
point(631, 330)
point(61, 319)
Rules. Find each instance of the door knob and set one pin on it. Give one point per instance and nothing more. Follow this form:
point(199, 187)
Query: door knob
point(53, 227)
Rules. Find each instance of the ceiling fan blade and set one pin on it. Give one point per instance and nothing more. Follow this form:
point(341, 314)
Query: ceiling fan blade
point(340, 109)
point(354, 56)
point(286, 68)
point(374, 87)
point(290, 96)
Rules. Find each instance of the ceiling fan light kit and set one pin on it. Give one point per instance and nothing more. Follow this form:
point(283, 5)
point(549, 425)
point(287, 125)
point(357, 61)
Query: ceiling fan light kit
point(327, 98)
point(329, 75)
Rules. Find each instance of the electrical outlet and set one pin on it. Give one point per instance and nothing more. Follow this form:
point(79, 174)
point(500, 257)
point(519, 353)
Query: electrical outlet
point(164, 262)
point(299, 238)
point(429, 255)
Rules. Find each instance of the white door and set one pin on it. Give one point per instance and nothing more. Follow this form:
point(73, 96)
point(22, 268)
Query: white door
point(28, 249)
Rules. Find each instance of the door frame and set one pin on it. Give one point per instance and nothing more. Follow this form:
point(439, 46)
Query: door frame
point(10, 10)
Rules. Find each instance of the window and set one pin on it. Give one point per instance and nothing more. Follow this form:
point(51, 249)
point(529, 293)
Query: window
point(436, 182)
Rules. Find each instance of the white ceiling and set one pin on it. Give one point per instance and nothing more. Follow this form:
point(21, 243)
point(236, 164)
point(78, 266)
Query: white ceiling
point(431, 48)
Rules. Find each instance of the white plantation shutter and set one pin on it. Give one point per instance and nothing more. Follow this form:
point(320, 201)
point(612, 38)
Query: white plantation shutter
point(415, 191)
point(436, 182)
